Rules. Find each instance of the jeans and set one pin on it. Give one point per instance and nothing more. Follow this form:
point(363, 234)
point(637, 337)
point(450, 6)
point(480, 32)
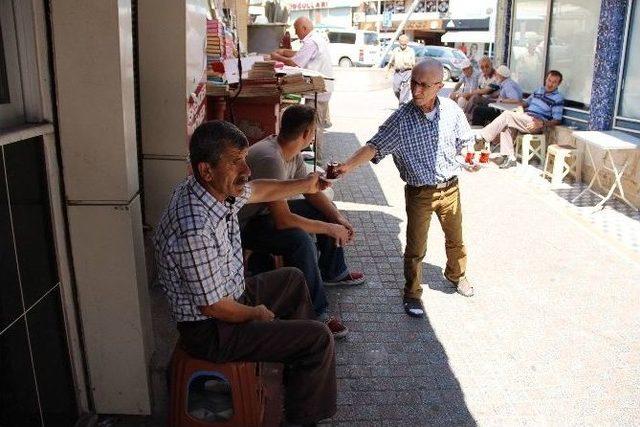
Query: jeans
point(299, 250)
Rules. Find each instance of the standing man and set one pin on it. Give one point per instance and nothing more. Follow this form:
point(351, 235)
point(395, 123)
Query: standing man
point(424, 136)
point(468, 82)
point(221, 317)
point(283, 227)
point(543, 110)
point(403, 58)
point(313, 55)
point(510, 93)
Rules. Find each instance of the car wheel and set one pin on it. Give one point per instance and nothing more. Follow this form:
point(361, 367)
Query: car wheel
point(446, 75)
point(345, 62)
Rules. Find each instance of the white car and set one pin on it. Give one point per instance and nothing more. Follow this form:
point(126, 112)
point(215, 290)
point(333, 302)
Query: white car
point(350, 48)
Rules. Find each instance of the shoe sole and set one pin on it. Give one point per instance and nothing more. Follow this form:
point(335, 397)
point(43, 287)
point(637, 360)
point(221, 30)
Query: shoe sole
point(345, 283)
point(340, 335)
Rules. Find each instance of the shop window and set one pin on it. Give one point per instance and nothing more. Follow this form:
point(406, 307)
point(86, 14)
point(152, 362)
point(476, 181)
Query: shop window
point(572, 44)
point(528, 43)
point(555, 34)
point(630, 86)
point(11, 102)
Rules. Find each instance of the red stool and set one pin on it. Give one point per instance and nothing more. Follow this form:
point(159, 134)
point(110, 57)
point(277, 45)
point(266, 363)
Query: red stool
point(246, 390)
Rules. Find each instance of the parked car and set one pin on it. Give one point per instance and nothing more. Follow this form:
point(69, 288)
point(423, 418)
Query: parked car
point(450, 58)
point(350, 48)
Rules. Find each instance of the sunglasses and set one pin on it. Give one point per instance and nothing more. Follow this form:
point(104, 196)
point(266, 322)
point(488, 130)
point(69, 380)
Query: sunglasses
point(424, 86)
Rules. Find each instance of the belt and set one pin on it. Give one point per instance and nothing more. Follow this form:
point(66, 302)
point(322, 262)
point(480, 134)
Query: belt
point(441, 185)
point(403, 70)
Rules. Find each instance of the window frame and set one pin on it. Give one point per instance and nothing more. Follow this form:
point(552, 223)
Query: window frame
point(12, 113)
point(618, 119)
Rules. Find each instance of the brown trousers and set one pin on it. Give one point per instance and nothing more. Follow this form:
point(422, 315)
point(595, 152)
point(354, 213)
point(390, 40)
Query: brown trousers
point(421, 202)
point(305, 346)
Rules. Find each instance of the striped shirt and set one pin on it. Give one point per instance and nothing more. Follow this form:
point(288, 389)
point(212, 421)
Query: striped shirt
point(198, 251)
point(545, 105)
point(424, 146)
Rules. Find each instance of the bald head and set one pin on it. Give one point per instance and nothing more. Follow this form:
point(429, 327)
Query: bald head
point(302, 26)
point(428, 70)
point(403, 40)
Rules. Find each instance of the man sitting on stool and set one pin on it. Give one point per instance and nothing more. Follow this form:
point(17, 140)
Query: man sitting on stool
point(543, 110)
point(469, 81)
point(221, 317)
point(283, 228)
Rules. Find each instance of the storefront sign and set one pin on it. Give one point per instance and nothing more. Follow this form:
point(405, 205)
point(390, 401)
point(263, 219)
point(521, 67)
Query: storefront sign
point(309, 5)
point(424, 25)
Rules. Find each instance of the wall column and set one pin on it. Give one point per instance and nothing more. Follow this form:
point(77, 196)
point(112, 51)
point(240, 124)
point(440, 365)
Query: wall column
point(93, 63)
point(613, 14)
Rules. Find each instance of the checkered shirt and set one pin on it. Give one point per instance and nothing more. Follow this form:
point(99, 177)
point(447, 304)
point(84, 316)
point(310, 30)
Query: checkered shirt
point(198, 251)
point(424, 148)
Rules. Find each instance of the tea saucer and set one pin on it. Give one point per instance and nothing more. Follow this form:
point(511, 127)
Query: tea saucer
point(470, 166)
point(332, 180)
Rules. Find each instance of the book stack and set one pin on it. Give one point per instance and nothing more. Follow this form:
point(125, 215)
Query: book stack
point(295, 83)
point(259, 87)
point(318, 84)
point(262, 70)
point(215, 39)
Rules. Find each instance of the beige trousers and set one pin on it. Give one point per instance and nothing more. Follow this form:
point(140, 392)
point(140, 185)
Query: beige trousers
point(507, 125)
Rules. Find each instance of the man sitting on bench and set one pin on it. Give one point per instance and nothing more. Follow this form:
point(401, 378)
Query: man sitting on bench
point(284, 227)
point(221, 317)
point(543, 109)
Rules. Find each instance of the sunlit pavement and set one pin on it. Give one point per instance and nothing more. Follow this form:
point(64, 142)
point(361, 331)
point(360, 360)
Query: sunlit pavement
point(552, 335)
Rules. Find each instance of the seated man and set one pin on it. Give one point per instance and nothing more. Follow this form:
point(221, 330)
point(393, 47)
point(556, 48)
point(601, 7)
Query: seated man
point(221, 317)
point(510, 93)
point(487, 91)
point(543, 109)
point(469, 81)
point(282, 228)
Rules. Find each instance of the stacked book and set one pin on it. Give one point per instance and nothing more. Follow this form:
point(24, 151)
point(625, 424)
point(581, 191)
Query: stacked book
point(215, 38)
point(262, 70)
point(296, 83)
point(259, 87)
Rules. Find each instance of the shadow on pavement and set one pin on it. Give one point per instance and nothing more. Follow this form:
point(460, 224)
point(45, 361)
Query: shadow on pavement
point(392, 369)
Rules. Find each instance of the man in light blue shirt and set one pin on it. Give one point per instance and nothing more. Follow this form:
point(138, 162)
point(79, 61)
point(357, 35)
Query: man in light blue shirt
point(469, 81)
point(543, 110)
point(510, 93)
point(424, 137)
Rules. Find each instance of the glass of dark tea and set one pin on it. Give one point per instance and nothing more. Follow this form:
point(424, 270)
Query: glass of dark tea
point(484, 156)
point(332, 170)
point(469, 157)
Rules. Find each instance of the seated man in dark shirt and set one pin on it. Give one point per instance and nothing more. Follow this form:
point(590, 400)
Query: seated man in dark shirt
point(221, 317)
point(284, 227)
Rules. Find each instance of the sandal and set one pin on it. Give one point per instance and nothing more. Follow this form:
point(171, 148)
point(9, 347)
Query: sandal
point(413, 307)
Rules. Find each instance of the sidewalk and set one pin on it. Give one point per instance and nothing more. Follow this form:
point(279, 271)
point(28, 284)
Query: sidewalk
point(552, 335)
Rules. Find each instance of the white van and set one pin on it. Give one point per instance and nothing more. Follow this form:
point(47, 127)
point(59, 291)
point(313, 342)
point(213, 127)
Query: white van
point(350, 48)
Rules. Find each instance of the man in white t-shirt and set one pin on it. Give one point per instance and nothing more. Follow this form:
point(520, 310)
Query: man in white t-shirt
point(313, 55)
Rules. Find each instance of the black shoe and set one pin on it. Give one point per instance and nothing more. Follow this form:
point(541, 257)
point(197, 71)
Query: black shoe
point(413, 307)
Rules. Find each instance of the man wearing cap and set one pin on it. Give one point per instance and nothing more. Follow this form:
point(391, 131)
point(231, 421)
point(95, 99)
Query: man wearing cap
point(403, 58)
point(469, 81)
point(543, 109)
point(510, 93)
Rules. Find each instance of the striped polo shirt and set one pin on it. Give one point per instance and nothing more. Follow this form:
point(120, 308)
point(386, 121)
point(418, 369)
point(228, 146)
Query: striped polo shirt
point(545, 105)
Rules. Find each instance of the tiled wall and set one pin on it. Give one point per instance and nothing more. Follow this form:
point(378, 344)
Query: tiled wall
point(35, 378)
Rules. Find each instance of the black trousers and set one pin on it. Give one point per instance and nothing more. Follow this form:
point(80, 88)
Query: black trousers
point(305, 346)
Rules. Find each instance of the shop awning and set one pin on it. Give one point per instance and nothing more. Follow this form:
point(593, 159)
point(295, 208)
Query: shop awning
point(467, 37)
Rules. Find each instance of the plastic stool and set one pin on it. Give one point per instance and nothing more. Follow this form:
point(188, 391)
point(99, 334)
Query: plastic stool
point(532, 146)
point(565, 162)
point(246, 390)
